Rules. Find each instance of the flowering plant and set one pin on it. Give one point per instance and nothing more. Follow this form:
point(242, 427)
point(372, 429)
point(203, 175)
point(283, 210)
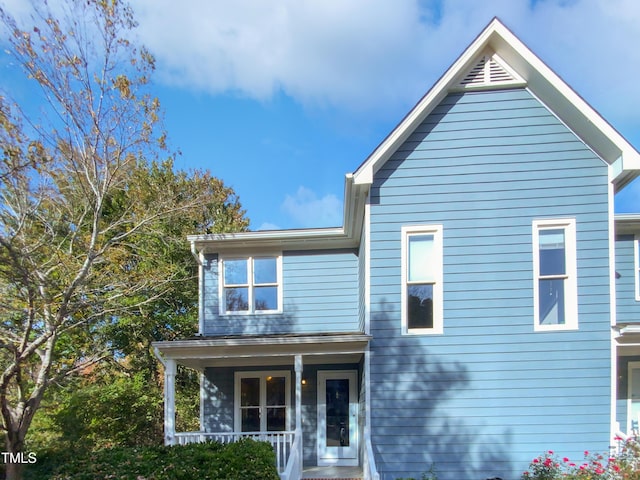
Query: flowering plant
point(625, 465)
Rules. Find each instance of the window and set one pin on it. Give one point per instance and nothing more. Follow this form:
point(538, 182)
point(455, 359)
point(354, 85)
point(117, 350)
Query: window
point(555, 274)
point(250, 285)
point(422, 280)
point(262, 401)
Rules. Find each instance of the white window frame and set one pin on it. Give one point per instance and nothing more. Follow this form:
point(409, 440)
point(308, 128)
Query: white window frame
point(636, 267)
point(438, 315)
point(222, 303)
point(262, 374)
point(570, 277)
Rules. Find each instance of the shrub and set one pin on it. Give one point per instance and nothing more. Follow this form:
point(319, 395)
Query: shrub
point(243, 460)
point(623, 466)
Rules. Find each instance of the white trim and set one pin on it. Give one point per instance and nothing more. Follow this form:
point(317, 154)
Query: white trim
point(339, 456)
point(612, 304)
point(548, 86)
point(438, 321)
point(630, 366)
point(250, 284)
point(636, 267)
point(262, 375)
point(570, 277)
point(367, 265)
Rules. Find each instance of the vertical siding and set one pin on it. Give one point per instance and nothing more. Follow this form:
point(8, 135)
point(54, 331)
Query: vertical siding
point(489, 394)
point(320, 294)
point(628, 308)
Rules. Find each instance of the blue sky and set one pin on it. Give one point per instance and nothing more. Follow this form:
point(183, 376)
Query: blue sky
point(282, 98)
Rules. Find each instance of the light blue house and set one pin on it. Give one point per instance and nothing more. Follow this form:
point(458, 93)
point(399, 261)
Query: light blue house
point(475, 309)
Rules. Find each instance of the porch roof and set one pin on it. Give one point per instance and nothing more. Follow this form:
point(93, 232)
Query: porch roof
point(254, 350)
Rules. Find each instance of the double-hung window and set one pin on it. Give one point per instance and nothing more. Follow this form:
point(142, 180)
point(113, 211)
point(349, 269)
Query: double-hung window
point(422, 292)
point(555, 275)
point(250, 285)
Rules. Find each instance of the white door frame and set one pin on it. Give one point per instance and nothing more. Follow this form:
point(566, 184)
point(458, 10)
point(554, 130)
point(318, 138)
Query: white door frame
point(340, 456)
point(630, 368)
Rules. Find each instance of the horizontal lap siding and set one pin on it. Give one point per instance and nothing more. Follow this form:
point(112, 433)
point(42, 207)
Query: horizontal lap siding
point(320, 294)
point(490, 390)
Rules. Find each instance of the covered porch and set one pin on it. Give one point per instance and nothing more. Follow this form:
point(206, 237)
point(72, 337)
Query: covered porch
point(307, 395)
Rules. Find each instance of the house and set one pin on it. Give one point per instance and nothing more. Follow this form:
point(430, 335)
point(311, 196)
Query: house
point(478, 306)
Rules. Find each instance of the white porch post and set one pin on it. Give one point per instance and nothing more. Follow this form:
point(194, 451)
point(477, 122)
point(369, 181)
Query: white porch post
point(298, 369)
point(169, 401)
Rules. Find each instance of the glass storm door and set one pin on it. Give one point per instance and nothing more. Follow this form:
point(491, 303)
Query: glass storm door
point(337, 418)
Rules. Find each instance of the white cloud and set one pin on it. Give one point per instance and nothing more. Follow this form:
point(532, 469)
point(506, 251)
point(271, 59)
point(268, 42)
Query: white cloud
point(268, 226)
point(371, 54)
point(309, 211)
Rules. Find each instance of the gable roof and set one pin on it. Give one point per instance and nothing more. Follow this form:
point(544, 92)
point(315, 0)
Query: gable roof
point(498, 59)
point(495, 59)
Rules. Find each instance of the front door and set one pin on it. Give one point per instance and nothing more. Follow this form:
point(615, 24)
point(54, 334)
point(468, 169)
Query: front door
point(337, 418)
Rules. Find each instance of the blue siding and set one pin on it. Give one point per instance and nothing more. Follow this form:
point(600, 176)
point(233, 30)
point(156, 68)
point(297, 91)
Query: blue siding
point(628, 308)
point(320, 294)
point(490, 394)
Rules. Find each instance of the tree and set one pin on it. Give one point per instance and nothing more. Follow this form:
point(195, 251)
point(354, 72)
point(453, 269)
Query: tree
point(83, 197)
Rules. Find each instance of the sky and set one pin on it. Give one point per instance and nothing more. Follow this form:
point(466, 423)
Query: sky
point(282, 98)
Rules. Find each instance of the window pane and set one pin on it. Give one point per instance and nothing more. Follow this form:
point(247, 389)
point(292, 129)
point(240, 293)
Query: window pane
point(337, 413)
point(275, 391)
point(250, 419)
point(552, 252)
point(265, 298)
point(235, 272)
point(420, 268)
point(551, 304)
point(276, 419)
point(265, 270)
point(237, 299)
point(249, 392)
point(419, 306)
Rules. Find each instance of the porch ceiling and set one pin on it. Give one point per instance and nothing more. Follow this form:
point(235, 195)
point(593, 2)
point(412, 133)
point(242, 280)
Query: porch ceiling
point(202, 352)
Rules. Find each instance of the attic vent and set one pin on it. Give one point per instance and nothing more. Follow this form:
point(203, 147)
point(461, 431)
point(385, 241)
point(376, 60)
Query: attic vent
point(489, 71)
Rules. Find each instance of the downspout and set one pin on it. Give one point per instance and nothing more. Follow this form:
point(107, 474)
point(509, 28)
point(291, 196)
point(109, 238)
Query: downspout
point(199, 260)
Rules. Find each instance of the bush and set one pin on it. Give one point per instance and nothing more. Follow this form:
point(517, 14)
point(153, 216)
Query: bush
point(622, 466)
point(243, 460)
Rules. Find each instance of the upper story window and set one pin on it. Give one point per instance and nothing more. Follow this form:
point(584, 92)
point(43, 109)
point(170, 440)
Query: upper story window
point(555, 275)
point(250, 285)
point(422, 292)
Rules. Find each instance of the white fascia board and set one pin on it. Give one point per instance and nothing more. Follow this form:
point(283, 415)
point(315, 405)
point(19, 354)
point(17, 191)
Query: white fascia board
point(570, 107)
point(364, 174)
point(583, 120)
point(627, 223)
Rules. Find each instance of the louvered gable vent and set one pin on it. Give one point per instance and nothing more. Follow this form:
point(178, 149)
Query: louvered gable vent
point(489, 71)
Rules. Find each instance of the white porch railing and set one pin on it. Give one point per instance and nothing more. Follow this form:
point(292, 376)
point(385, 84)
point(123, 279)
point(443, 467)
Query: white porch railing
point(293, 469)
point(368, 462)
point(282, 442)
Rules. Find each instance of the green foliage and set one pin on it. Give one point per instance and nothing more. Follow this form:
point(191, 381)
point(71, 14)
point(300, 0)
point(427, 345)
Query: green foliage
point(430, 475)
point(624, 465)
point(243, 460)
point(115, 410)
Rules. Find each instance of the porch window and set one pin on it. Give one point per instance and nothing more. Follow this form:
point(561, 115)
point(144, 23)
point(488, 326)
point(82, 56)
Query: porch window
point(262, 401)
point(250, 285)
point(422, 292)
point(554, 266)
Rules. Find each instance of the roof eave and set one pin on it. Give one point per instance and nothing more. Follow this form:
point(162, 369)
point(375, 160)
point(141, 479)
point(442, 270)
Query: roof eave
point(570, 108)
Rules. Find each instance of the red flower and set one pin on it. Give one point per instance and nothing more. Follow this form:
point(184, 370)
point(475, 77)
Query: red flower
point(547, 462)
point(535, 460)
point(565, 459)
